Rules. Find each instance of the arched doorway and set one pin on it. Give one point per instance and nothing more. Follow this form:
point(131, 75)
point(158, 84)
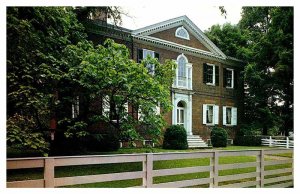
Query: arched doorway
point(181, 115)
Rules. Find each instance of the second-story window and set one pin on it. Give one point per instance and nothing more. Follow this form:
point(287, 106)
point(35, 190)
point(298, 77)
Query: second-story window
point(142, 54)
point(210, 74)
point(228, 78)
point(183, 73)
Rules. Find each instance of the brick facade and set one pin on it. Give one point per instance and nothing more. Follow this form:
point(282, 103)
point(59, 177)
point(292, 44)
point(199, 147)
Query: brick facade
point(201, 92)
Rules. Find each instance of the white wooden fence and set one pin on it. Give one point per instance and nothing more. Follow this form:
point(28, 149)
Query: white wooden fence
point(278, 141)
point(147, 174)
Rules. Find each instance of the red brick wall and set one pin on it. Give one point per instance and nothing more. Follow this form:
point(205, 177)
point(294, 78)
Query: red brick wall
point(204, 94)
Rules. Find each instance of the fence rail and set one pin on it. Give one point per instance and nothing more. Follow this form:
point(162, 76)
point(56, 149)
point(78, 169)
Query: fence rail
point(274, 141)
point(259, 178)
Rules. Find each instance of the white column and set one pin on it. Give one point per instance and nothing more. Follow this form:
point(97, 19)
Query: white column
point(190, 116)
point(173, 109)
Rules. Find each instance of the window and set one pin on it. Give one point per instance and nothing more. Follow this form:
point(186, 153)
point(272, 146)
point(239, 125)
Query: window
point(228, 78)
point(110, 109)
point(183, 73)
point(229, 116)
point(181, 32)
point(210, 114)
point(75, 107)
point(142, 54)
point(210, 74)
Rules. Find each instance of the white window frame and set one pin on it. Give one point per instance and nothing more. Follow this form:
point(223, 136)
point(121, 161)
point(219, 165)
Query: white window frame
point(232, 78)
point(214, 75)
point(233, 116)
point(215, 119)
point(152, 66)
point(75, 108)
point(188, 74)
point(106, 106)
point(183, 37)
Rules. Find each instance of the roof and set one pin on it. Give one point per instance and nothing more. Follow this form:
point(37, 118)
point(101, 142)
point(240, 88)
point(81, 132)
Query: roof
point(143, 34)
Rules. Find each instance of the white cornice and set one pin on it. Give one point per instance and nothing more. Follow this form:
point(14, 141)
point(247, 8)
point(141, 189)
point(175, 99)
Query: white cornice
point(185, 49)
point(187, 23)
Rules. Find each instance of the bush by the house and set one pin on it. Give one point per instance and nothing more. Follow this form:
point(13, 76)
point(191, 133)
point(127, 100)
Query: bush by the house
point(175, 138)
point(218, 137)
point(247, 140)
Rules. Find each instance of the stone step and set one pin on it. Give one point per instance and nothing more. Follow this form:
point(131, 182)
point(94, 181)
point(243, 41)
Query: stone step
point(195, 141)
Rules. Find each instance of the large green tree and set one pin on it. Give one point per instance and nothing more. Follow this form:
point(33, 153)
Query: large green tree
point(231, 39)
point(108, 72)
point(269, 74)
point(264, 40)
point(50, 65)
point(36, 37)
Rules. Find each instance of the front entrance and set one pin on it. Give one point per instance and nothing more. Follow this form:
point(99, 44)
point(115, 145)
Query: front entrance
point(182, 111)
point(180, 114)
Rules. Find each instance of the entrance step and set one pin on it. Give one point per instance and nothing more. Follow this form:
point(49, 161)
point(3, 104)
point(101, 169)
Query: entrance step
point(195, 141)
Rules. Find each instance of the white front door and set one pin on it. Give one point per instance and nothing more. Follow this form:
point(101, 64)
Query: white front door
point(180, 116)
point(182, 111)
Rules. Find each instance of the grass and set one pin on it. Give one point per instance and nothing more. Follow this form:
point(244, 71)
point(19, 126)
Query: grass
point(25, 174)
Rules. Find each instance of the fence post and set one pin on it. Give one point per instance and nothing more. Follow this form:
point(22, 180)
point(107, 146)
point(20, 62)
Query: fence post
point(270, 141)
point(287, 142)
point(214, 173)
point(49, 172)
point(211, 172)
point(262, 168)
point(148, 168)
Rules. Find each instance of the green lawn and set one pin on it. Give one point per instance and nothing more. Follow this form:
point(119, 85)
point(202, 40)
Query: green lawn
point(25, 174)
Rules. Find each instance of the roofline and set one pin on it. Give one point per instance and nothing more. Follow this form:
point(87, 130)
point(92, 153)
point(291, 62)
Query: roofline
point(183, 20)
point(185, 49)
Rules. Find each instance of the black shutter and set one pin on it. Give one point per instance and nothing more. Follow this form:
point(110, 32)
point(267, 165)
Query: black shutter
point(204, 73)
point(235, 79)
point(224, 77)
point(156, 55)
point(217, 75)
point(139, 55)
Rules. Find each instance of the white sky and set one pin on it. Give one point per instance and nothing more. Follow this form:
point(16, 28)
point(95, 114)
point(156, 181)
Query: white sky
point(204, 16)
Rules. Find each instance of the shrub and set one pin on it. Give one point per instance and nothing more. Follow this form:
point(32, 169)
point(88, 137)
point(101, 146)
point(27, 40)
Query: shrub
point(175, 137)
point(218, 137)
point(247, 140)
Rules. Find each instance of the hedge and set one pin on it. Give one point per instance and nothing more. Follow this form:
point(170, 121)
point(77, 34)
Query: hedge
point(175, 137)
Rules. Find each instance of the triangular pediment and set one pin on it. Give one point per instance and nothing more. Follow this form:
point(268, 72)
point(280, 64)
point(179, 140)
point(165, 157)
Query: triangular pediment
point(166, 31)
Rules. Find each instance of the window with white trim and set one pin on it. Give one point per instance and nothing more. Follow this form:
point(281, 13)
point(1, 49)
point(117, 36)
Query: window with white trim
point(228, 78)
point(181, 32)
point(183, 73)
point(142, 54)
point(210, 74)
point(109, 108)
point(210, 114)
point(75, 107)
point(229, 116)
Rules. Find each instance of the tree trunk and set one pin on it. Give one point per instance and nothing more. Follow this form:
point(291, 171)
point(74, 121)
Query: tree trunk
point(265, 130)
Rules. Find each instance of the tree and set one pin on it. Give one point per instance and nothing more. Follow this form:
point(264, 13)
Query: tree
point(269, 74)
point(264, 40)
point(231, 39)
point(103, 13)
point(36, 37)
point(108, 71)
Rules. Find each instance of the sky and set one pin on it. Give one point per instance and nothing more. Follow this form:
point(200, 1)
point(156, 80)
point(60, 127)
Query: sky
point(204, 16)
